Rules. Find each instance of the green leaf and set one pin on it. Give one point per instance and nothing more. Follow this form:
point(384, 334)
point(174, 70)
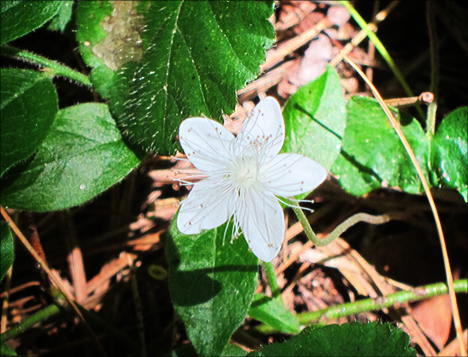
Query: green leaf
point(315, 118)
point(83, 155)
point(373, 155)
point(350, 339)
point(6, 350)
point(272, 311)
point(160, 62)
point(7, 249)
point(449, 150)
point(21, 17)
point(212, 282)
point(28, 107)
point(63, 16)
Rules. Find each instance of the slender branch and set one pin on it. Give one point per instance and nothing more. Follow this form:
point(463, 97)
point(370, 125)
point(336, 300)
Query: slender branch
point(351, 221)
point(55, 68)
point(29, 322)
point(54, 309)
point(382, 50)
point(54, 280)
point(381, 302)
point(271, 278)
point(396, 300)
point(434, 47)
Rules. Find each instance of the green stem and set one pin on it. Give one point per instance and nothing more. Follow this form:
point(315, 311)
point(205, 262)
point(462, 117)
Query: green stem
point(29, 322)
point(351, 221)
point(381, 302)
point(55, 68)
point(396, 299)
point(382, 50)
point(271, 278)
point(434, 46)
point(91, 318)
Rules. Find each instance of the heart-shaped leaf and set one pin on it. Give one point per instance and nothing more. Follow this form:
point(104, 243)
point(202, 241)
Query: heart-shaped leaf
point(160, 62)
point(212, 282)
point(350, 339)
point(28, 107)
point(83, 155)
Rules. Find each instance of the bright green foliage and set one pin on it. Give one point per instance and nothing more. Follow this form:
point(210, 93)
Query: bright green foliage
point(17, 18)
point(7, 252)
point(161, 62)
point(82, 156)
point(372, 151)
point(373, 155)
point(63, 16)
point(6, 350)
point(315, 118)
point(351, 339)
point(273, 312)
point(28, 108)
point(449, 152)
point(212, 282)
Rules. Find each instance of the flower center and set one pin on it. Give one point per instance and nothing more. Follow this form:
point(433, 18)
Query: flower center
point(244, 172)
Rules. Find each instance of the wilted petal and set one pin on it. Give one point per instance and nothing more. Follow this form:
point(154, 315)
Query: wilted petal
point(265, 125)
point(206, 143)
point(262, 221)
point(208, 205)
point(292, 174)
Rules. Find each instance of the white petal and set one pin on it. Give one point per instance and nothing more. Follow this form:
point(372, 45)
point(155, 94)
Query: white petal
point(262, 222)
point(265, 125)
point(206, 143)
point(209, 204)
point(292, 174)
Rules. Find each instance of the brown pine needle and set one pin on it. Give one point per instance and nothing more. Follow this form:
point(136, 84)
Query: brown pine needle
point(54, 280)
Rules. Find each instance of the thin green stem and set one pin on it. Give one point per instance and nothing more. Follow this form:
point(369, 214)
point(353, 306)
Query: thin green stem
point(271, 278)
point(54, 309)
point(382, 50)
point(381, 302)
point(55, 68)
point(351, 221)
point(29, 322)
point(319, 317)
point(434, 47)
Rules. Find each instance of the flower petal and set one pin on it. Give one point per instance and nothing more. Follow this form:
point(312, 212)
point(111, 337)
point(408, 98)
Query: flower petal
point(206, 143)
point(292, 174)
point(262, 221)
point(265, 125)
point(208, 205)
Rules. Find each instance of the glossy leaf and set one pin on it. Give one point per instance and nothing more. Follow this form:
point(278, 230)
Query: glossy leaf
point(83, 155)
point(7, 250)
point(373, 156)
point(273, 312)
point(449, 150)
point(315, 118)
point(28, 107)
point(350, 339)
point(212, 282)
point(21, 17)
point(161, 62)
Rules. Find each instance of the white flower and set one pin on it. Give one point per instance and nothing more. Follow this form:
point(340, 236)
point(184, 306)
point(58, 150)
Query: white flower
point(242, 177)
